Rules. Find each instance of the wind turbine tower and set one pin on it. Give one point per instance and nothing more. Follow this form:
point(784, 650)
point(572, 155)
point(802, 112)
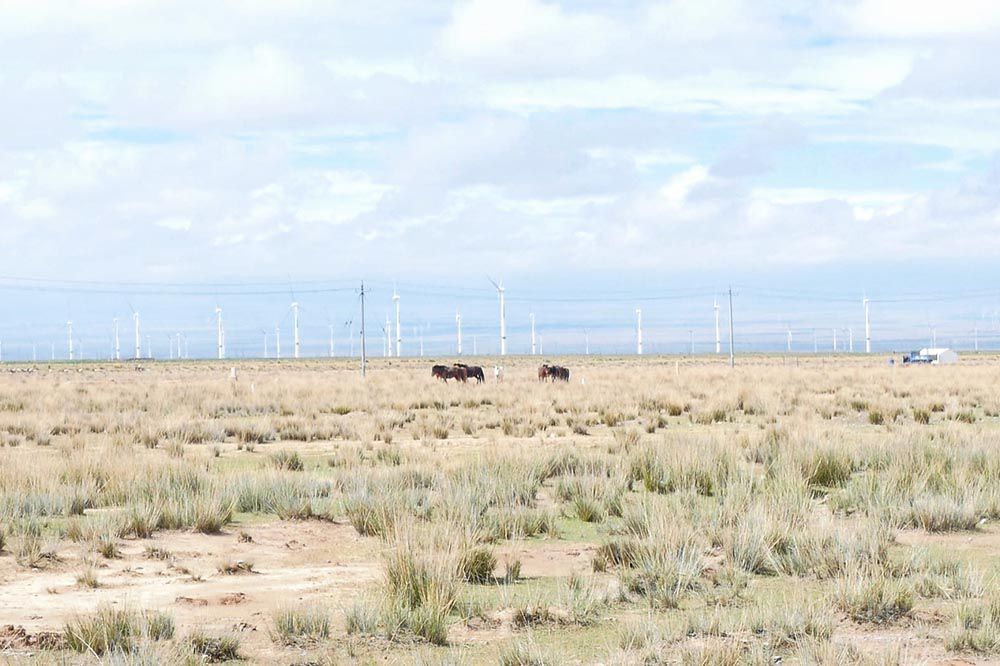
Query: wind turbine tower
point(834, 341)
point(331, 340)
point(718, 332)
point(638, 331)
point(277, 341)
point(399, 329)
point(295, 323)
point(458, 326)
point(118, 343)
point(533, 345)
point(789, 340)
point(868, 326)
point(69, 325)
point(503, 318)
point(138, 338)
point(220, 339)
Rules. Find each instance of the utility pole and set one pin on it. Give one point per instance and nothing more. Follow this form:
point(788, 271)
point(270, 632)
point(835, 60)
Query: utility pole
point(399, 329)
point(868, 326)
point(638, 331)
point(364, 352)
point(118, 344)
point(295, 333)
point(732, 349)
point(718, 333)
point(533, 346)
point(458, 326)
point(69, 325)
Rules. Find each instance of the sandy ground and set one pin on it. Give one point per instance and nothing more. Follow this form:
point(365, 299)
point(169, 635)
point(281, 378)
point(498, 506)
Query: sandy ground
point(291, 561)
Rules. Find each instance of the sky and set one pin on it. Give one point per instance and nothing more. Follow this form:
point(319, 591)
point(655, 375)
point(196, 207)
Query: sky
point(615, 152)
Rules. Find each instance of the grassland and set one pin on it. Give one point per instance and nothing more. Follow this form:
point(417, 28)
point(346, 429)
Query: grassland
point(820, 510)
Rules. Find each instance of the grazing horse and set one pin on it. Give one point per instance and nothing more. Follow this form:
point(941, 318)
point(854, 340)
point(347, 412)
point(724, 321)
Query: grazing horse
point(559, 372)
point(543, 372)
point(461, 374)
point(440, 372)
point(474, 372)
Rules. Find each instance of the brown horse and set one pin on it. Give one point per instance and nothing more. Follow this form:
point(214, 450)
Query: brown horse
point(474, 372)
point(461, 374)
point(543, 373)
point(440, 372)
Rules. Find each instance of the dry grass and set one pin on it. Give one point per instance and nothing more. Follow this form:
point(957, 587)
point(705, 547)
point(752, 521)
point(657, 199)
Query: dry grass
point(695, 498)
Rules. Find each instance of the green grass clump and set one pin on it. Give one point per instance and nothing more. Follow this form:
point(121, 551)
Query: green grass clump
point(976, 629)
point(215, 649)
point(877, 600)
point(293, 626)
point(113, 630)
point(287, 460)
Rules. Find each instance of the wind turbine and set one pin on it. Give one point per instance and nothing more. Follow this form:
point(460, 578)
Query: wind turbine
point(868, 325)
point(264, 331)
point(458, 326)
point(331, 341)
point(220, 334)
point(69, 325)
point(718, 332)
point(399, 329)
point(277, 340)
point(138, 337)
point(638, 331)
point(789, 343)
point(503, 317)
point(118, 343)
point(531, 316)
point(295, 327)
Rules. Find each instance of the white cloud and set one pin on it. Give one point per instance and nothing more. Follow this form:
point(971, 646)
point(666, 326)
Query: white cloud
point(922, 18)
point(175, 223)
point(509, 33)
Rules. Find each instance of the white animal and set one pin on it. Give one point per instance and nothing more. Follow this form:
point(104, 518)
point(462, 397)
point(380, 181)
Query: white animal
point(498, 373)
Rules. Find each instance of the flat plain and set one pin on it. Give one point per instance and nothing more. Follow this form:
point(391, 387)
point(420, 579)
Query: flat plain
point(820, 510)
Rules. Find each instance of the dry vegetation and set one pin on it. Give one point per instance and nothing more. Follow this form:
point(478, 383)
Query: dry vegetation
point(821, 511)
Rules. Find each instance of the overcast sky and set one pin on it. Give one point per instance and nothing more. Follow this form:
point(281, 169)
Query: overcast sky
point(435, 140)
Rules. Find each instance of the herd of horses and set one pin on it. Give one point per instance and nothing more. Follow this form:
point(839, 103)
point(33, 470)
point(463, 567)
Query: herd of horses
point(463, 373)
point(553, 372)
point(460, 372)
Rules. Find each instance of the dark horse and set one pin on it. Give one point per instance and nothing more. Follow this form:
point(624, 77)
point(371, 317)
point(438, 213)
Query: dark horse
point(553, 372)
point(440, 372)
point(461, 374)
point(474, 372)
